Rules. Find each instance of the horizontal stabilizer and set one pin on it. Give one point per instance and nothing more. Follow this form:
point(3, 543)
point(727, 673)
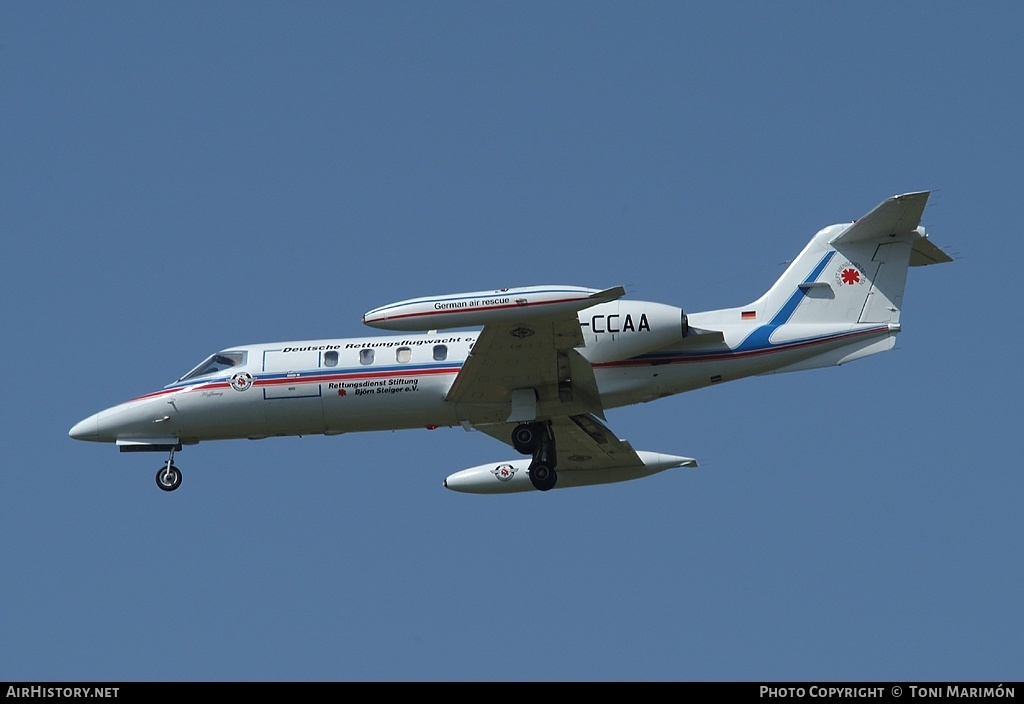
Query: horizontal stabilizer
point(925, 252)
point(898, 215)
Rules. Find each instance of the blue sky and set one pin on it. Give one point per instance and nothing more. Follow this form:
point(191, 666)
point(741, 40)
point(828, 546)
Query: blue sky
point(178, 178)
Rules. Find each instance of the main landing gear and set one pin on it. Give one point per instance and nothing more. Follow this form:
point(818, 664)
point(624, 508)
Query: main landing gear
point(536, 439)
point(168, 477)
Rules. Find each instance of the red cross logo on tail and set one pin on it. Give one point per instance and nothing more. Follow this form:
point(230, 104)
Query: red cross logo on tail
point(849, 274)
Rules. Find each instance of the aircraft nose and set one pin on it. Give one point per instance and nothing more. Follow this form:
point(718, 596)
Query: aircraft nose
point(88, 429)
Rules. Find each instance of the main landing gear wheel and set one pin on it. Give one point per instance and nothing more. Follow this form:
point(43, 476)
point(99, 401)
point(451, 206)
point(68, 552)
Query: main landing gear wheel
point(527, 437)
point(543, 476)
point(542, 469)
point(168, 477)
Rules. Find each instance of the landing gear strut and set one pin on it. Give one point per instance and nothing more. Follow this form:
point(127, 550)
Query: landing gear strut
point(168, 477)
point(536, 439)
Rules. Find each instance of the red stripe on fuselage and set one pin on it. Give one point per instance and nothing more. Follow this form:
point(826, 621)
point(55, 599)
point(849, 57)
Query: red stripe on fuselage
point(319, 379)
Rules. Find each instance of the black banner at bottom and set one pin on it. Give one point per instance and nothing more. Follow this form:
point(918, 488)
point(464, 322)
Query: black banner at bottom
point(891, 691)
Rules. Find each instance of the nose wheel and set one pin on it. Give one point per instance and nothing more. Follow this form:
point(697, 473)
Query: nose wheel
point(168, 477)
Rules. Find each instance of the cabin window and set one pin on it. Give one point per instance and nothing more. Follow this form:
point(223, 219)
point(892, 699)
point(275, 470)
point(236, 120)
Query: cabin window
point(440, 353)
point(331, 358)
point(403, 354)
point(366, 356)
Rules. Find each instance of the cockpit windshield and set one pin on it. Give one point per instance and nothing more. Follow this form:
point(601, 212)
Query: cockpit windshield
point(216, 363)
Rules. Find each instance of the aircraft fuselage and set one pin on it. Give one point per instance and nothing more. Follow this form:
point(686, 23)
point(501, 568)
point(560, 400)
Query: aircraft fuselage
point(400, 382)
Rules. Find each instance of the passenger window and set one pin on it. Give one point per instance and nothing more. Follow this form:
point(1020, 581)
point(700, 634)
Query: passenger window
point(440, 352)
point(331, 358)
point(366, 356)
point(403, 354)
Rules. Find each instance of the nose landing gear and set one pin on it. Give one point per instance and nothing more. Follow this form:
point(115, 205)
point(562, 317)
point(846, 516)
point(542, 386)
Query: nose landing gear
point(168, 477)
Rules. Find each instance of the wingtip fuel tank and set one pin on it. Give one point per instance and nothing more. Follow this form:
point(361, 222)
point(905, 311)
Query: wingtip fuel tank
point(482, 307)
point(513, 476)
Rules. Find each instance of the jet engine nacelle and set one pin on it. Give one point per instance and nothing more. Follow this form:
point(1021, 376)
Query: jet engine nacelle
point(513, 476)
point(623, 329)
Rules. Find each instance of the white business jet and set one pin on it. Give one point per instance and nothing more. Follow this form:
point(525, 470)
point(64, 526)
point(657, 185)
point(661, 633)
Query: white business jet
point(546, 365)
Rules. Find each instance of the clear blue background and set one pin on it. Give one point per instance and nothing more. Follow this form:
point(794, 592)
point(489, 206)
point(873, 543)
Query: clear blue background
point(177, 178)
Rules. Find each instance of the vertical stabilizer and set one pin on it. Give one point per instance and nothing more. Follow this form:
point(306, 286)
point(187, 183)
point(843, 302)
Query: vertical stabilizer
point(855, 273)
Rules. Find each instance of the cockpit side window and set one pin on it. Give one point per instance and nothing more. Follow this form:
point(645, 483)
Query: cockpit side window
point(216, 363)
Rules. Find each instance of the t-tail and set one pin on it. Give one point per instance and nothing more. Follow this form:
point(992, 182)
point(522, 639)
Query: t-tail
point(840, 299)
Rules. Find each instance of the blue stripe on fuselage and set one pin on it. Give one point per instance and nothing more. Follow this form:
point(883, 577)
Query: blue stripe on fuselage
point(759, 339)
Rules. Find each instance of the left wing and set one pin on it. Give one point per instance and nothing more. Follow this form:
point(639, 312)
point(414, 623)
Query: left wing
point(526, 368)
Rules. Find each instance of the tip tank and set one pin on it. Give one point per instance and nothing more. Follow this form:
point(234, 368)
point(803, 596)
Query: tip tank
point(513, 476)
point(483, 307)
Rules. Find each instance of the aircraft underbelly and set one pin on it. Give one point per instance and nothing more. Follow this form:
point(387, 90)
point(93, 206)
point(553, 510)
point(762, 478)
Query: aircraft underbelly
point(644, 382)
point(296, 415)
point(641, 380)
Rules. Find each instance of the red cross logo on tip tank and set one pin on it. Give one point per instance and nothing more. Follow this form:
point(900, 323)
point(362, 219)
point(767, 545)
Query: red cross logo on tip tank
point(503, 472)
